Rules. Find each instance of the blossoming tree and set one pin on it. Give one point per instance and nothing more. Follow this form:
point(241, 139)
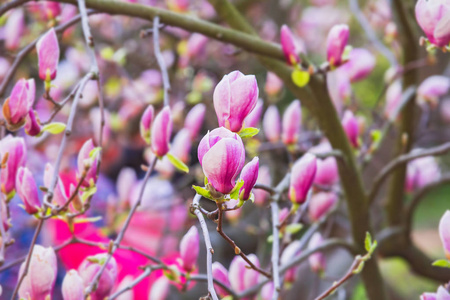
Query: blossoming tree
point(300, 184)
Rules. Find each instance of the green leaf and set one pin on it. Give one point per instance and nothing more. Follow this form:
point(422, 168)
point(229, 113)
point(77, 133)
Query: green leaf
point(248, 132)
point(177, 163)
point(88, 193)
point(442, 263)
point(54, 128)
point(94, 152)
point(202, 191)
point(235, 192)
point(359, 269)
point(87, 220)
point(373, 247)
point(294, 228)
point(300, 77)
point(368, 242)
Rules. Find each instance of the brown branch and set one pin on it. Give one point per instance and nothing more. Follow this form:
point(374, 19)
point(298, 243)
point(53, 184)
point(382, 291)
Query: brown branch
point(237, 250)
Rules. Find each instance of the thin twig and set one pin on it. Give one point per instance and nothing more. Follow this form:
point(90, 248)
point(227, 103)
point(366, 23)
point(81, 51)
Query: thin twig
point(209, 248)
point(232, 243)
point(275, 250)
point(135, 282)
point(160, 59)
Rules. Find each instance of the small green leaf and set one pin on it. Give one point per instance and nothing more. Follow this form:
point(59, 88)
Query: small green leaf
point(359, 269)
point(442, 263)
point(368, 242)
point(300, 77)
point(87, 220)
point(54, 128)
point(294, 228)
point(177, 163)
point(248, 132)
point(94, 152)
point(88, 193)
point(235, 192)
point(202, 191)
point(373, 247)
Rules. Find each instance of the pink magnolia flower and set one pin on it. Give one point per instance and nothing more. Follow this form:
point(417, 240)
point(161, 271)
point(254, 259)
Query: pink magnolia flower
point(48, 54)
point(351, 128)
point(393, 100)
point(240, 277)
point(302, 177)
point(316, 260)
point(444, 232)
point(196, 45)
point(222, 156)
point(88, 163)
point(321, 204)
point(339, 87)
point(421, 172)
point(292, 122)
point(32, 124)
point(254, 116)
point(235, 97)
point(442, 294)
point(17, 106)
point(360, 64)
point(336, 43)
point(146, 123)
point(288, 46)
point(220, 274)
point(72, 286)
point(161, 132)
point(181, 146)
point(27, 190)
point(273, 84)
point(433, 17)
point(178, 5)
point(272, 124)
point(14, 29)
point(89, 269)
point(327, 172)
point(40, 280)
point(14, 148)
point(249, 175)
point(194, 120)
point(160, 289)
point(189, 249)
point(267, 291)
point(432, 88)
point(52, 9)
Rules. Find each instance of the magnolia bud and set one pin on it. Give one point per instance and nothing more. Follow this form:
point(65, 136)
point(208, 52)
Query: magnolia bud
point(17, 106)
point(39, 282)
point(235, 97)
point(242, 278)
point(288, 46)
point(432, 17)
point(220, 274)
point(249, 175)
point(222, 156)
point(14, 29)
point(292, 120)
point(89, 269)
point(181, 146)
point(87, 163)
point(194, 120)
point(146, 123)
point(360, 64)
point(444, 232)
point(72, 286)
point(432, 88)
point(321, 204)
point(254, 116)
point(189, 249)
point(316, 260)
point(272, 124)
point(161, 132)
point(27, 190)
point(336, 43)
point(302, 177)
point(32, 124)
point(12, 154)
point(351, 128)
point(48, 55)
point(273, 84)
